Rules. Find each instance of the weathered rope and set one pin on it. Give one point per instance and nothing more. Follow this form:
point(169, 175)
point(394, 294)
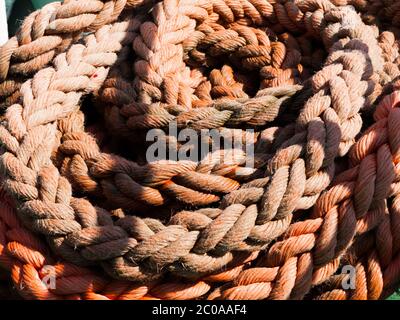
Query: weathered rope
point(47, 151)
point(158, 116)
point(311, 250)
point(377, 247)
point(44, 29)
point(24, 256)
point(87, 175)
point(27, 258)
point(49, 31)
point(354, 60)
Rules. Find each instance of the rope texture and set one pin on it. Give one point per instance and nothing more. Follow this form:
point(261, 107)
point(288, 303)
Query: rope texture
point(48, 153)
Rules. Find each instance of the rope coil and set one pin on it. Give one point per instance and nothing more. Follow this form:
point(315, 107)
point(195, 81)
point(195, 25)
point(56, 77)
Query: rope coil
point(152, 68)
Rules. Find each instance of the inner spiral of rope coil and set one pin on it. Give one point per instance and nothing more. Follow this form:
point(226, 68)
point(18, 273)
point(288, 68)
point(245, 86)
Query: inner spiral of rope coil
point(225, 65)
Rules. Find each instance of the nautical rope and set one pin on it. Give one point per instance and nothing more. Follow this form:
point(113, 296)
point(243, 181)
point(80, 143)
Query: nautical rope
point(51, 162)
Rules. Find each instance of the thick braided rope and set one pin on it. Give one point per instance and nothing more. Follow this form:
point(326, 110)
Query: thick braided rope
point(129, 119)
point(24, 256)
point(375, 257)
point(248, 48)
point(383, 266)
point(127, 185)
point(49, 31)
point(250, 45)
point(119, 189)
point(255, 112)
point(172, 247)
point(311, 250)
point(375, 253)
point(91, 82)
point(28, 260)
point(223, 43)
point(165, 86)
point(147, 194)
point(307, 201)
point(120, 186)
point(160, 72)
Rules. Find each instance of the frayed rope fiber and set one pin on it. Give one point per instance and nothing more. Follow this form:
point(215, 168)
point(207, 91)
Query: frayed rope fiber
point(82, 83)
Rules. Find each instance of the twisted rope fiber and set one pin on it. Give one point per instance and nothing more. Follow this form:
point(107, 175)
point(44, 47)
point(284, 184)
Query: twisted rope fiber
point(49, 31)
point(376, 278)
point(377, 275)
point(248, 44)
point(176, 191)
point(204, 199)
point(222, 41)
point(153, 196)
point(191, 199)
point(128, 175)
point(376, 249)
point(77, 50)
point(28, 281)
point(254, 112)
point(140, 117)
point(311, 250)
point(181, 242)
point(24, 255)
point(157, 78)
point(201, 183)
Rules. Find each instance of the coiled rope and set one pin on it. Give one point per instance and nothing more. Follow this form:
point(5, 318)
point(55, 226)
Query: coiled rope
point(49, 158)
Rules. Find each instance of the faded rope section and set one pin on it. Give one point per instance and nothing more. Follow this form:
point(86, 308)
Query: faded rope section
point(127, 185)
point(49, 31)
point(23, 254)
point(120, 178)
point(44, 77)
point(248, 48)
point(310, 252)
point(224, 44)
point(375, 252)
point(129, 121)
point(32, 268)
point(161, 74)
point(231, 113)
point(129, 190)
point(253, 49)
point(26, 257)
point(121, 189)
point(155, 226)
point(143, 249)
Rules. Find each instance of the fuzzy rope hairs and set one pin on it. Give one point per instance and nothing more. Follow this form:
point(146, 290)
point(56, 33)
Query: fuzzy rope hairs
point(49, 31)
point(52, 29)
point(161, 73)
point(311, 250)
point(119, 185)
point(136, 248)
point(28, 261)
